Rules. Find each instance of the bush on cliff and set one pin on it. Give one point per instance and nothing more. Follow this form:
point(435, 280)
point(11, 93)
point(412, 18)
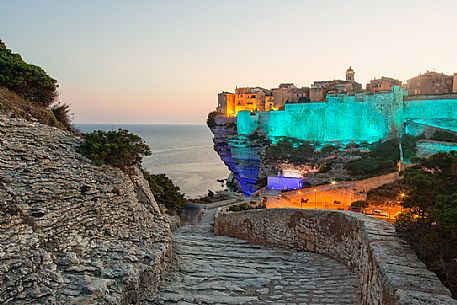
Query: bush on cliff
point(117, 148)
point(284, 151)
point(62, 114)
point(28, 81)
point(384, 156)
point(444, 136)
point(430, 223)
point(165, 192)
point(211, 121)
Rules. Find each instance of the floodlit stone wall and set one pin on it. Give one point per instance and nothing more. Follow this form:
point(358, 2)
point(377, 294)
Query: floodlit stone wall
point(390, 272)
point(72, 232)
point(345, 118)
point(426, 148)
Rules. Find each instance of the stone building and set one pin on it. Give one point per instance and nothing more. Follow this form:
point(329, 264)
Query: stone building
point(283, 94)
point(226, 104)
point(245, 99)
point(431, 82)
point(382, 84)
point(299, 95)
point(319, 89)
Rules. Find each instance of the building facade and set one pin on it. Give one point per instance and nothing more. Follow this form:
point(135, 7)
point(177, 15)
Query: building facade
point(382, 84)
point(283, 94)
point(226, 104)
point(431, 83)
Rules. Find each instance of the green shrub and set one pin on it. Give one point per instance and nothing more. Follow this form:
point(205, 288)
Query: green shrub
point(430, 223)
point(359, 204)
point(369, 165)
point(165, 192)
point(117, 148)
point(304, 99)
point(445, 136)
point(285, 151)
point(239, 207)
point(28, 81)
point(62, 114)
point(211, 121)
point(325, 167)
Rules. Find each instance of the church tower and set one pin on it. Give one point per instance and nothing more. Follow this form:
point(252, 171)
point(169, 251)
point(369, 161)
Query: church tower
point(350, 75)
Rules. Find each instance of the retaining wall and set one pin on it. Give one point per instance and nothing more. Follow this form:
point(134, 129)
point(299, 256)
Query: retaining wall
point(390, 272)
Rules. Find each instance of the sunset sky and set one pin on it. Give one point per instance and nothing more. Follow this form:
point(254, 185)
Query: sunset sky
point(165, 61)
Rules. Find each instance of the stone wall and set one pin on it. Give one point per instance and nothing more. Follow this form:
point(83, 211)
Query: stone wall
point(72, 232)
point(426, 148)
point(390, 272)
point(378, 116)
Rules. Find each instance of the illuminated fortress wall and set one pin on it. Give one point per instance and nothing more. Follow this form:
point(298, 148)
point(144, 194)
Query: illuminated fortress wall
point(345, 118)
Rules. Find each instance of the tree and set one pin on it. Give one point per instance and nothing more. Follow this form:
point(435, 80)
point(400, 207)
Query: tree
point(359, 204)
point(430, 222)
point(165, 192)
point(304, 99)
point(28, 81)
point(118, 148)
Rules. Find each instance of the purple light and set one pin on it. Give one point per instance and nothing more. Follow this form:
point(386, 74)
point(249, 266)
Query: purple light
point(284, 183)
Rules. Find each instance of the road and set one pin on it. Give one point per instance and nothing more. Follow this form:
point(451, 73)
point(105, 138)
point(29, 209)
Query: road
point(222, 270)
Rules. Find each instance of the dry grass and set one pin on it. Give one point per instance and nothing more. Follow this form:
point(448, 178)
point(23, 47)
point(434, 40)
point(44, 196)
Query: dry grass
point(13, 105)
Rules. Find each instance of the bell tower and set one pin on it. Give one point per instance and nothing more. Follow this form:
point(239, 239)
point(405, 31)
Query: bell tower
point(350, 74)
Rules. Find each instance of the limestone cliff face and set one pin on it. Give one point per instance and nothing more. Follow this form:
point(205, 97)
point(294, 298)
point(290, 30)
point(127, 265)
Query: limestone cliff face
point(72, 232)
point(242, 157)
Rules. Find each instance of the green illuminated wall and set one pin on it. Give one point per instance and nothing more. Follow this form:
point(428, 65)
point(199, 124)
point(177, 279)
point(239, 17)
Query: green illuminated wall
point(345, 118)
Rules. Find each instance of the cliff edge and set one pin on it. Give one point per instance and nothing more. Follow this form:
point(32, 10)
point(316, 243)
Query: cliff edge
point(72, 232)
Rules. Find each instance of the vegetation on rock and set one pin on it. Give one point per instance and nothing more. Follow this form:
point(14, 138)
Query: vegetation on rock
point(165, 192)
point(27, 91)
point(244, 207)
point(359, 204)
point(445, 136)
point(28, 81)
point(384, 156)
point(211, 121)
point(430, 224)
point(117, 148)
point(285, 151)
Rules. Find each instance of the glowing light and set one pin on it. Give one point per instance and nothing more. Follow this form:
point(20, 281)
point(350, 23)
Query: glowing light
point(333, 182)
point(376, 116)
point(315, 190)
point(402, 195)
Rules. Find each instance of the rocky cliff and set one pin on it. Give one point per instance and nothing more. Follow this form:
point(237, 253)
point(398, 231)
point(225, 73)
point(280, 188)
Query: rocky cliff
point(72, 232)
point(241, 156)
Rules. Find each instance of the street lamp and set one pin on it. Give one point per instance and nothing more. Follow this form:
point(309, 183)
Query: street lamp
point(402, 196)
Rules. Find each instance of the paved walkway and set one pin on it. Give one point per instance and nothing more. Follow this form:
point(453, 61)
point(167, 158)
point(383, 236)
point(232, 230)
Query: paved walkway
point(222, 270)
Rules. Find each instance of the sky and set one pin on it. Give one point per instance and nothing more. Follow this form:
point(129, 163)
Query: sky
point(164, 61)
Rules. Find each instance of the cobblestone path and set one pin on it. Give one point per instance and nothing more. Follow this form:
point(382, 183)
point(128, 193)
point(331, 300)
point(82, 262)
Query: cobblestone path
point(222, 270)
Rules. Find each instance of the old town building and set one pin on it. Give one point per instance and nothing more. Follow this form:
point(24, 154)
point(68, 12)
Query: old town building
point(382, 84)
point(431, 82)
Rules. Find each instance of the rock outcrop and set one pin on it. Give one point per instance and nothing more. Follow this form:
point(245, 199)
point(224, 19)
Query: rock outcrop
point(72, 232)
point(241, 156)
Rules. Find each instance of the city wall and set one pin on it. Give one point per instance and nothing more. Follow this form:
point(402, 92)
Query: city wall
point(345, 118)
point(426, 148)
point(390, 273)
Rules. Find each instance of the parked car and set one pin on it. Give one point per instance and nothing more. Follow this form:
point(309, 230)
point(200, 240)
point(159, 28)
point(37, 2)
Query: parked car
point(379, 213)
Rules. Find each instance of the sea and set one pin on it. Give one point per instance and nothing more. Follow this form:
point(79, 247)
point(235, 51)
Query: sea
point(183, 152)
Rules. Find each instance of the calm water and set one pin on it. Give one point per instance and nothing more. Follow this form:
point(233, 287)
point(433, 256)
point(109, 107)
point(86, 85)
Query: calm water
point(182, 152)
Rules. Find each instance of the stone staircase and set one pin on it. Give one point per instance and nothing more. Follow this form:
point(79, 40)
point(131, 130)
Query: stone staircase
point(222, 270)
